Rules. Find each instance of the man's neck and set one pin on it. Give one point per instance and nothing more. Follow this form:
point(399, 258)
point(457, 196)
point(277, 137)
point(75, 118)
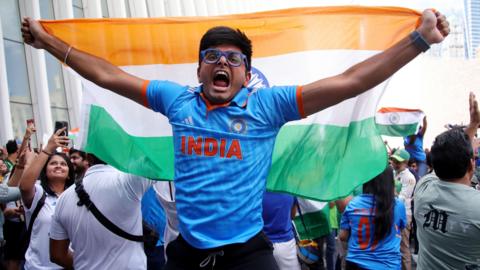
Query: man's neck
point(463, 181)
point(401, 170)
point(57, 187)
point(12, 158)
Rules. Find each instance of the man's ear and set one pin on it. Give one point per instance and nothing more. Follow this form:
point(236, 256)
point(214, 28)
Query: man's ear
point(248, 76)
point(198, 74)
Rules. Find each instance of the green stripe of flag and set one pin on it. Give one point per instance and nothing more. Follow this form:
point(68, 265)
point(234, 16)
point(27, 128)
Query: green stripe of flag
point(397, 130)
point(146, 156)
point(328, 161)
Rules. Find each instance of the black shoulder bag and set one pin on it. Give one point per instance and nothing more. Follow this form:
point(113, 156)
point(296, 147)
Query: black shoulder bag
point(28, 235)
point(84, 199)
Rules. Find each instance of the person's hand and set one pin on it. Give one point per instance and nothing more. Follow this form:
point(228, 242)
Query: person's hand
point(57, 140)
point(474, 112)
point(33, 33)
point(14, 212)
point(434, 27)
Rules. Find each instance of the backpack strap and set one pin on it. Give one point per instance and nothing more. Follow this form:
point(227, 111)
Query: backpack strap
point(84, 199)
point(37, 209)
point(307, 231)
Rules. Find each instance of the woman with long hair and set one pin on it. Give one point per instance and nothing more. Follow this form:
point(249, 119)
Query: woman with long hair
point(55, 174)
point(372, 224)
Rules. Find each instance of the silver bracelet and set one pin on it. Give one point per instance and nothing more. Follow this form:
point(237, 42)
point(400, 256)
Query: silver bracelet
point(67, 54)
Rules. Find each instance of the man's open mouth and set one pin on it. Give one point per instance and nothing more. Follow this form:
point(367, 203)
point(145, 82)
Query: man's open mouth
point(221, 79)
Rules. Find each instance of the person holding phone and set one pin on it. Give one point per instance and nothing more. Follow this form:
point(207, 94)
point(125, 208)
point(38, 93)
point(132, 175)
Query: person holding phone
point(55, 172)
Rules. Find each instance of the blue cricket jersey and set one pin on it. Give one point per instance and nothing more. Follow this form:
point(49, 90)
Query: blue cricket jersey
point(222, 156)
point(358, 218)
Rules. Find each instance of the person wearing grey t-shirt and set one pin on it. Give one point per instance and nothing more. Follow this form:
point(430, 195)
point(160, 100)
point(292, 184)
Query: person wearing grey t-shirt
point(446, 206)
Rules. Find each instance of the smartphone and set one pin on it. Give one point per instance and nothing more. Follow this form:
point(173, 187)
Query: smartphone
point(30, 123)
point(60, 125)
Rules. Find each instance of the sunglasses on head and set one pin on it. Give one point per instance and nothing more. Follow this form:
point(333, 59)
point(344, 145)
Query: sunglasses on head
point(234, 59)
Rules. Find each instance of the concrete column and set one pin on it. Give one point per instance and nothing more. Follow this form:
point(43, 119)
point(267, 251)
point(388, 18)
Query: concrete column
point(73, 85)
point(212, 7)
point(173, 8)
point(156, 8)
point(188, 7)
point(6, 132)
point(138, 8)
point(37, 74)
point(116, 9)
point(92, 8)
point(201, 7)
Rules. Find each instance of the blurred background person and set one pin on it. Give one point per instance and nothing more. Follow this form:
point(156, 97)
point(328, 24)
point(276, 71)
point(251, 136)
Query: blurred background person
point(372, 224)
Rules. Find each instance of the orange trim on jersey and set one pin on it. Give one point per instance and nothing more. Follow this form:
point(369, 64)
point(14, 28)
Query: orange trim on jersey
point(144, 93)
point(210, 106)
point(300, 101)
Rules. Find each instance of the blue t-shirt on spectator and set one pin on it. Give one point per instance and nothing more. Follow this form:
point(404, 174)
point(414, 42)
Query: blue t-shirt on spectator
point(416, 149)
point(153, 214)
point(277, 216)
point(358, 218)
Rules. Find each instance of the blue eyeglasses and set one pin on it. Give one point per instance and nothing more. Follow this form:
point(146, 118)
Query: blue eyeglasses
point(234, 59)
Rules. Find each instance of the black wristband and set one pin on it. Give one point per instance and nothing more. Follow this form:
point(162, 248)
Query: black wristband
point(419, 41)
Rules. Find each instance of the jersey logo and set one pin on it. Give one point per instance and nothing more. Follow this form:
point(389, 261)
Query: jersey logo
point(211, 147)
point(238, 126)
point(437, 219)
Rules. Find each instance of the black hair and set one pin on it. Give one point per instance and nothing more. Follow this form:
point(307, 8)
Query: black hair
point(383, 188)
point(223, 35)
point(11, 146)
point(411, 161)
point(94, 160)
point(43, 174)
point(451, 154)
point(82, 154)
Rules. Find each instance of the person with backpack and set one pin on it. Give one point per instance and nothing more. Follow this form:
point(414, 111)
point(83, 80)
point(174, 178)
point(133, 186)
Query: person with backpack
point(55, 174)
point(100, 217)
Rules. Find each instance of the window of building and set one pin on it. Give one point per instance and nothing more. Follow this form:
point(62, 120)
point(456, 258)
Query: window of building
point(17, 74)
point(105, 13)
point(56, 87)
point(127, 9)
point(78, 9)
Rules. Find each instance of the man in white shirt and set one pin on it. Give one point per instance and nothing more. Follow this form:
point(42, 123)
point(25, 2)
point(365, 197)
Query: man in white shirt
point(117, 196)
point(402, 173)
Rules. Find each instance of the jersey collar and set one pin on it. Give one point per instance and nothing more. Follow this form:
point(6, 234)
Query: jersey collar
point(239, 100)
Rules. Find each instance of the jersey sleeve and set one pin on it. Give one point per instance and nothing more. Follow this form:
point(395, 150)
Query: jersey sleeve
point(401, 212)
point(36, 199)
point(136, 185)
point(160, 95)
point(345, 221)
point(281, 104)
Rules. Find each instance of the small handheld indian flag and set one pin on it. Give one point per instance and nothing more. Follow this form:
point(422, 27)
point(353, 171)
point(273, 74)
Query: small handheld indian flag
point(398, 122)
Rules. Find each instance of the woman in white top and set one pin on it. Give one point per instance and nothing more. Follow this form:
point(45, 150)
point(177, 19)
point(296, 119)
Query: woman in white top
point(55, 172)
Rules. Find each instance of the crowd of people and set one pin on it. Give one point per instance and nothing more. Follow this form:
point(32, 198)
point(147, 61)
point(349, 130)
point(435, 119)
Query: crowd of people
point(70, 209)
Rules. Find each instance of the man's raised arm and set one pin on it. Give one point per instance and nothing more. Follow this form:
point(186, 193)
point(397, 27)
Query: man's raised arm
point(92, 68)
point(371, 72)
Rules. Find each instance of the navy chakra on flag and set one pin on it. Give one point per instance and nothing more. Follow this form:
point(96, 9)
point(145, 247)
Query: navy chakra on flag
point(394, 118)
point(238, 126)
point(258, 80)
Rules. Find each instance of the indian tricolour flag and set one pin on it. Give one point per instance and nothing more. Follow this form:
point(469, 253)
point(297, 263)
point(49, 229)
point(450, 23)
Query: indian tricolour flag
point(398, 122)
point(322, 157)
